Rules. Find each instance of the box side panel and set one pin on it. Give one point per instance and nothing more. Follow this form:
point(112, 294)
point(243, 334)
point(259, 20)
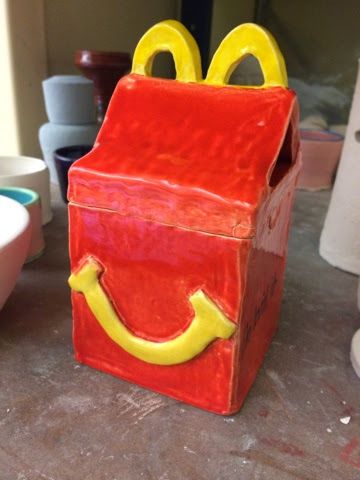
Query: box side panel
point(149, 273)
point(264, 286)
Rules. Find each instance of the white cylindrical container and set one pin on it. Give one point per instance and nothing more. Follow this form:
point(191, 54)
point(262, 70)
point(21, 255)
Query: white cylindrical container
point(53, 136)
point(340, 238)
point(69, 99)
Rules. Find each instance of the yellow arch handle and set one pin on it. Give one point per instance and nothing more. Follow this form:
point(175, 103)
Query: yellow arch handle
point(208, 323)
point(169, 36)
point(248, 39)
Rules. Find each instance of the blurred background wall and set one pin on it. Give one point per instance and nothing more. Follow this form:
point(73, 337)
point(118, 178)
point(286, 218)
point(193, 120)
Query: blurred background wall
point(100, 25)
point(23, 66)
point(38, 39)
point(320, 39)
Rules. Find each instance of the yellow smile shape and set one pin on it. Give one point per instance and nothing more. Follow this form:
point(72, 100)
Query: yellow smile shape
point(208, 323)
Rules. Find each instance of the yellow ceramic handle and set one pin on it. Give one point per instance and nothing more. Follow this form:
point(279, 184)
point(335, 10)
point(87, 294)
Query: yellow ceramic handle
point(208, 323)
point(248, 39)
point(169, 36)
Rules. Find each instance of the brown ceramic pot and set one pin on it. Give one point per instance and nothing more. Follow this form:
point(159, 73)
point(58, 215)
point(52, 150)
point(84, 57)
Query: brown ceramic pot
point(104, 69)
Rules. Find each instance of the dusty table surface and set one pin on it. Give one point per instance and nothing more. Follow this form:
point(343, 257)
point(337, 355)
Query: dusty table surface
point(63, 421)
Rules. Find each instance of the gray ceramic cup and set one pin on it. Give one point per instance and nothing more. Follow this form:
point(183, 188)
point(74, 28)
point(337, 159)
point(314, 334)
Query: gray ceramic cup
point(69, 99)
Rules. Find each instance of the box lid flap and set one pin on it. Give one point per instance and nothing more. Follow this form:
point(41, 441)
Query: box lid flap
point(192, 155)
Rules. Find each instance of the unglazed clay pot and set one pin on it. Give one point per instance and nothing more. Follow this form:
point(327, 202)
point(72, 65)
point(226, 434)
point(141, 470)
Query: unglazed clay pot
point(28, 172)
point(31, 201)
point(64, 158)
point(340, 238)
point(15, 234)
point(104, 69)
point(320, 156)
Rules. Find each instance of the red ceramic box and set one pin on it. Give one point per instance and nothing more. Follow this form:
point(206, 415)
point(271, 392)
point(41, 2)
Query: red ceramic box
point(179, 221)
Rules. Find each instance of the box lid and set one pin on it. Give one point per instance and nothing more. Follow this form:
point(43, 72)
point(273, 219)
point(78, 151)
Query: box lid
point(199, 155)
point(196, 156)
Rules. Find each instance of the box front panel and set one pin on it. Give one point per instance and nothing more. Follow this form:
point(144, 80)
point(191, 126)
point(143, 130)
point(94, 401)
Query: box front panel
point(149, 273)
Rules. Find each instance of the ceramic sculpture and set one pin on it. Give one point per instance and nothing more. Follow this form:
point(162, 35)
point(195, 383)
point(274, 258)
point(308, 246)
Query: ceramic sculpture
point(340, 238)
point(179, 221)
point(69, 102)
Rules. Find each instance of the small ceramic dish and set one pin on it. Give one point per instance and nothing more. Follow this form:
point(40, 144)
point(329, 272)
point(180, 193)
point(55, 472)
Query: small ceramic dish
point(27, 172)
point(31, 201)
point(64, 157)
point(15, 235)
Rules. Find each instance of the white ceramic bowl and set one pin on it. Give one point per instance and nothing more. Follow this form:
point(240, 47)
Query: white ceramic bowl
point(28, 172)
point(15, 235)
point(31, 201)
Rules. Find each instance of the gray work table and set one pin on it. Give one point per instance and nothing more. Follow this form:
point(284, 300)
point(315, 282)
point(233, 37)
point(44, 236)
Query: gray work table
point(63, 421)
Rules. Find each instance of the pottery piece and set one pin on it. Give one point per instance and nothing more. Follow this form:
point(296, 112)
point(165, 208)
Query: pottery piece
point(53, 136)
point(340, 237)
point(105, 69)
point(31, 201)
point(339, 128)
point(355, 352)
point(321, 152)
point(179, 221)
point(31, 173)
point(15, 234)
point(64, 158)
point(69, 99)
point(314, 122)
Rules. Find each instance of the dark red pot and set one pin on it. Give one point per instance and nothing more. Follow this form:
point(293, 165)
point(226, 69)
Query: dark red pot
point(104, 69)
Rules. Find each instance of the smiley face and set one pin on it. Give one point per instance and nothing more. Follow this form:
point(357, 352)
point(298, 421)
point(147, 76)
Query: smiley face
point(208, 324)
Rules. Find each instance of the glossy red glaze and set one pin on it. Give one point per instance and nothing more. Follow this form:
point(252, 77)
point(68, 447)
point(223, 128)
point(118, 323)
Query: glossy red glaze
point(188, 187)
